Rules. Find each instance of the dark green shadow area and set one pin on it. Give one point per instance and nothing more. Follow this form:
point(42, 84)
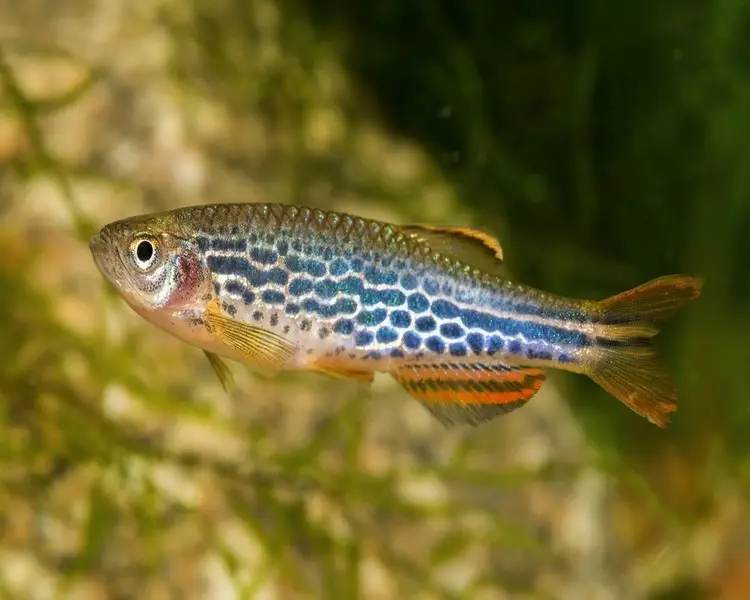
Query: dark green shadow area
point(605, 145)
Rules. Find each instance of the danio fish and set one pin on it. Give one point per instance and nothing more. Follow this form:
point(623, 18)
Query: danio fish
point(283, 287)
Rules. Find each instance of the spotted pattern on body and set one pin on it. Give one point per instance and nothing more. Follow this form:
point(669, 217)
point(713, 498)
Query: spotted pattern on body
point(377, 305)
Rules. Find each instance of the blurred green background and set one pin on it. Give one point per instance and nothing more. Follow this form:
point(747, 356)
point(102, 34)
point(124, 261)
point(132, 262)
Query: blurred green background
point(604, 143)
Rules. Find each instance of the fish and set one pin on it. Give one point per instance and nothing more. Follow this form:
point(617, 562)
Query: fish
point(281, 287)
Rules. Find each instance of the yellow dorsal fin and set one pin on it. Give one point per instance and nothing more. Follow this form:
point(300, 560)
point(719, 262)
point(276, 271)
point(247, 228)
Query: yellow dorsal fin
point(469, 393)
point(221, 369)
point(471, 246)
point(259, 347)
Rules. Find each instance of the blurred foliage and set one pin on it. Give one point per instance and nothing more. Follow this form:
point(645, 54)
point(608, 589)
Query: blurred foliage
point(605, 144)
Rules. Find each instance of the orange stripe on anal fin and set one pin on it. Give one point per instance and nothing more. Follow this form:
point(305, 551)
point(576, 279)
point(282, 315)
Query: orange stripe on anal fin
point(470, 393)
point(474, 397)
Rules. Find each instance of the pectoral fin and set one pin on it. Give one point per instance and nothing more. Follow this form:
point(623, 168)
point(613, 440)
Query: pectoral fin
point(258, 346)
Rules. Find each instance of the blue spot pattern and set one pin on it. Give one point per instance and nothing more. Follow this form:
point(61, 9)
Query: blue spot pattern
point(376, 298)
point(380, 277)
point(273, 297)
point(264, 256)
point(475, 341)
point(443, 309)
point(229, 265)
point(451, 330)
point(338, 268)
point(342, 306)
point(311, 266)
point(326, 288)
point(351, 286)
point(431, 286)
point(234, 288)
point(386, 335)
point(392, 297)
point(457, 349)
point(363, 338)
point(418, 303)
point(494, 345)
point(343, 326)
point(533, 353)
point(408, 281)
point(435, 344)
point(278, 276)
point(300, 286)
point(412, 341)
point(369, 296)
point(400, 319)
point(372, 317)
point(425, 324)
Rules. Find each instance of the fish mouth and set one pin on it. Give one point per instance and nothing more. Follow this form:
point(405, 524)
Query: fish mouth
point(98, 247)
point(105, 256)
point(93, 242)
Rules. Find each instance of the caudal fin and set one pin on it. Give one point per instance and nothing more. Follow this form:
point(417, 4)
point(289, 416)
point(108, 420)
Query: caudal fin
point(627, 365)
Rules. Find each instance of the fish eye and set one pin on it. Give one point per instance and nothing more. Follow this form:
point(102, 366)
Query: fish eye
point(144, 252)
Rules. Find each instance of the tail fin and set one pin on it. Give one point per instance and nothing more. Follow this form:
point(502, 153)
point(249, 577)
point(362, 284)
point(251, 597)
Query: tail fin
point(627, 365)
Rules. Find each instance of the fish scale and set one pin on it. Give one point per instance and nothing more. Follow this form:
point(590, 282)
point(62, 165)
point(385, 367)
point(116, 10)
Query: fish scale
point(297, 277)
point(289, 287)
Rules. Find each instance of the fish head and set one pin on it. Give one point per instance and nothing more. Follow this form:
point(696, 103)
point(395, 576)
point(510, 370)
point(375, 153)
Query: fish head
point(154, 264)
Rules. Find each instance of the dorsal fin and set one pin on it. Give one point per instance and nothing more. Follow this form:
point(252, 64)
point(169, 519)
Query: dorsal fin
point(471, 246)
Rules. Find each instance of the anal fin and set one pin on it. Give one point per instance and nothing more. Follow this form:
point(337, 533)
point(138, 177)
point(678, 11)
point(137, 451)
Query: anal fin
point(469, 394)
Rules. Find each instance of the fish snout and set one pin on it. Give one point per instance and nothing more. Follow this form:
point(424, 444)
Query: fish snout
point(100, 245)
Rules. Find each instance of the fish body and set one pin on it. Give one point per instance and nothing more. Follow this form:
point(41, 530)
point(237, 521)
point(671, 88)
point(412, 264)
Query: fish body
point(286, 287)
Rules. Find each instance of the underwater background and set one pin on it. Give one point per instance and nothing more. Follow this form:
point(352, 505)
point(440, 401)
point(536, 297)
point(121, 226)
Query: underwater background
point(603, 143)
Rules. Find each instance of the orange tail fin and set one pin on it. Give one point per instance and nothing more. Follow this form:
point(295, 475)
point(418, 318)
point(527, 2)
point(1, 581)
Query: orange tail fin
point(627, 365)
